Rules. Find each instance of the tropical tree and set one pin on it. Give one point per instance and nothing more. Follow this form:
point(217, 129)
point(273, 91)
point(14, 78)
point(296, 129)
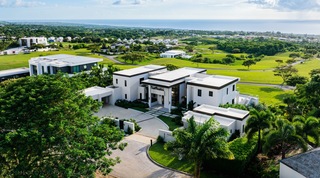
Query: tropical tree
point(47, 129)
point(284, 137)
point(285, 71)
point(308, 127)
point(248, 63)
point(258, 121)
point(200, 142)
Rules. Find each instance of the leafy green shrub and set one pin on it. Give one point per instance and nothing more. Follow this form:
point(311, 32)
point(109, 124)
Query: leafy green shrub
point(129, 131)
point(243, 151)
point(136, 125)
point(160, 139)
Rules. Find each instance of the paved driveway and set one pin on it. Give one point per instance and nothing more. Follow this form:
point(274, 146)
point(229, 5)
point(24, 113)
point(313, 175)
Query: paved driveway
point(150, 124)
point(135, 163)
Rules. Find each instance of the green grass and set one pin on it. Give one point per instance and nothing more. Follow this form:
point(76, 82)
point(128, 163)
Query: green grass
point(168, 120)
point(267, 95)
point(165, 158)
point(21, 60)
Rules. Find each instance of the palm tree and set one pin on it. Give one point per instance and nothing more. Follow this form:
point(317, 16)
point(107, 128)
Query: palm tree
point(258, 121)
point(284, 137)
point(307, 127)
point(200, 142)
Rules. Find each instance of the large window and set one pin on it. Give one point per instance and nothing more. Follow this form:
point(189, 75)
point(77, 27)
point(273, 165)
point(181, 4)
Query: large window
point(199, 92)
point(211, 93)
point(75, 69)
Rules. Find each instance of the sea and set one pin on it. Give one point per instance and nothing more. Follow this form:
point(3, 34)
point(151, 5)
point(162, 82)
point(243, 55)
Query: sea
point(283, 26)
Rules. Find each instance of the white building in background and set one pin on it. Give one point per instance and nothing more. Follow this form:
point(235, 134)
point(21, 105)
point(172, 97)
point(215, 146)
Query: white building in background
point(68, 38)
point(60, 39)
point(229, 118)
point(29, 41)
point(14, 73)
point(304, 165)
point(62, 62)
point(174, 54)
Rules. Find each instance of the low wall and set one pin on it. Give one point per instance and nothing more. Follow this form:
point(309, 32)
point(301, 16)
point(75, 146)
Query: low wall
point(126, 125)
point(166, 135)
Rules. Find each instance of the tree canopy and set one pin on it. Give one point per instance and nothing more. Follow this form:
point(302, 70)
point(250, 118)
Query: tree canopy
point(47, 129)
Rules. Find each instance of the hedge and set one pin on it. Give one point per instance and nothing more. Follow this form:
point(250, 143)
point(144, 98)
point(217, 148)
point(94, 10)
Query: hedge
point(243, 151)
point(131, 104)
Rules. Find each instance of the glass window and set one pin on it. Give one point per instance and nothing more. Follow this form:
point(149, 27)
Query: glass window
point(116, 81)
point(233, 87)
point(199, 92)
point(227, 90)
point(210, 93)
point(125, 96)
point(125, 83)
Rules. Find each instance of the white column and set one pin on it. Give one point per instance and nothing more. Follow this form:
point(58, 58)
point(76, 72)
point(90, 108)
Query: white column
point(149, 96)
point(170, 99)
point(30, 69)
point(188, 95)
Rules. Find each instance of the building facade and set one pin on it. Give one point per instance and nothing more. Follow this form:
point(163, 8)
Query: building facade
point(29, 41)
point(65, 63)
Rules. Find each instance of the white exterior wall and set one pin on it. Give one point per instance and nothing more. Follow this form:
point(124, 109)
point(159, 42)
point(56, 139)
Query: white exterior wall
point(35, 40)
point(115, 96)
point(219, 96)
point(240, 125)
point(166, 135)
point(132, 89)
point(287, 172)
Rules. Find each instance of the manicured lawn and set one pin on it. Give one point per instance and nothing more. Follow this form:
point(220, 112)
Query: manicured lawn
point(165, 158)
point(21, 60)
point(267, 95)
point(168, 120)
point(305, 68)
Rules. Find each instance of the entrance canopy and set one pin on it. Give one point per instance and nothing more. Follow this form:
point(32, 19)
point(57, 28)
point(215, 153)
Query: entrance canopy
point(97, 92)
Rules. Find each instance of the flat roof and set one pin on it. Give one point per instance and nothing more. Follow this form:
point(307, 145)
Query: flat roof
point(225, 112)
point(201, 118)
point(23, 70)
point(97, 91)
point(307, 164)
point(139, 70)
point(162, 83)
point(61, 60)
point(174, 52)
point(212, 81)
point(177, 74)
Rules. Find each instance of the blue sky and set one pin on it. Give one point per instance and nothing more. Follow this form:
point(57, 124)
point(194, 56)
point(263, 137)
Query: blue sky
point(159, 9)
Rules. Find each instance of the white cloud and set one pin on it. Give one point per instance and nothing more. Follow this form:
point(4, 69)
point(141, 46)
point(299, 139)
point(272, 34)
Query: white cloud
point(20, 3)
point(291, 5)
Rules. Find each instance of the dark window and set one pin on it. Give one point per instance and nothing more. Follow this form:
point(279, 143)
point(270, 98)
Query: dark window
point(49, 71)
point(75, 69)
point(125, 83)
point(199, 92)
point(227, 90)
point(116, 81)
point(210, 93)
point(141, 79)
point(125, 96)
point(231, 131)
point(233, 87)
point(242, 128)
point(141, 96)
point(42, 69)
point(232, 101)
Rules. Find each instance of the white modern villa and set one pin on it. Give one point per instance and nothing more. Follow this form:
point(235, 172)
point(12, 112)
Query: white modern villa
point(29, 41)
point(174, 54)
point(61, 62)
point(229, 118)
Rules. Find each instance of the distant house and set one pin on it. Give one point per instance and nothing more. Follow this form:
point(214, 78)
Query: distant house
point(62, 62)
point(52, 39)
point(60, 39)
point(173, 54)
point(29, 41)
point(68, 38)
point(305, 165)
point(229, 118)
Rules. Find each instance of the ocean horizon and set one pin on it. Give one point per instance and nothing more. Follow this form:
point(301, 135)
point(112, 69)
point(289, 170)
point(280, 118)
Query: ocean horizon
point(311, 27)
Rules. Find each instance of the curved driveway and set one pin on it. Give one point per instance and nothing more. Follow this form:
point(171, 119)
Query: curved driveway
point(136, 164)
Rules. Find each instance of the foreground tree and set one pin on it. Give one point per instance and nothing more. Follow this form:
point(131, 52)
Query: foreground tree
point(308, 127)
point(200, 142)
point(47, 129)
point(258, 121)
point(283, 137)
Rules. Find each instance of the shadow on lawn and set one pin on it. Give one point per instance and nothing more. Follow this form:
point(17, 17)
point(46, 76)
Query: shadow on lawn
point(270, 89)
point(282, 96)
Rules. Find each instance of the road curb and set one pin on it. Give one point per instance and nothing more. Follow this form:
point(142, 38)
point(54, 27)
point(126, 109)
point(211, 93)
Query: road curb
point(154, 162)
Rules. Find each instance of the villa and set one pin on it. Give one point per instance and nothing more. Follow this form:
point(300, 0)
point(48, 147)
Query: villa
point(229, 118)
point(14, 73)
point(61, 62)
point(29, 41)
point(157, 86)
point(174, 54)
